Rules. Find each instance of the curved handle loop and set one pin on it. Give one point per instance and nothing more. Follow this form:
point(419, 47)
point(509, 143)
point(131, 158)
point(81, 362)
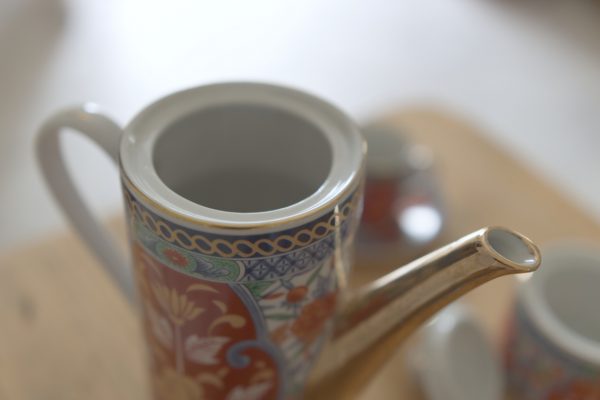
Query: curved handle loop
point(106, 134)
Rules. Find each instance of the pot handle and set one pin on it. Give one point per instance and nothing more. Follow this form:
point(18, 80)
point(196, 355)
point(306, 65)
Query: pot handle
point(86, 120)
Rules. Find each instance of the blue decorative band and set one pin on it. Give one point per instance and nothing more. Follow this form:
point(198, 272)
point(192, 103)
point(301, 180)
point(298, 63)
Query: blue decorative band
point(245, 246)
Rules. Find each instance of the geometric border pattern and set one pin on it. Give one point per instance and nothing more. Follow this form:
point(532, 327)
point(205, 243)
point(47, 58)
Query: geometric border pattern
point(242, 246)
point(230, 270)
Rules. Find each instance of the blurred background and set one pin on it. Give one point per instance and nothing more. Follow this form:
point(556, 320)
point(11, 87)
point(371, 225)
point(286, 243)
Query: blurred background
point(523, 73)
point(527, 72)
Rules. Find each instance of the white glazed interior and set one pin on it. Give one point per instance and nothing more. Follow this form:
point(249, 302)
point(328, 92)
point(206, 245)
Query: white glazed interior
point(512, 247)
point(342, 158)
point(563, 300)
point(243, 158)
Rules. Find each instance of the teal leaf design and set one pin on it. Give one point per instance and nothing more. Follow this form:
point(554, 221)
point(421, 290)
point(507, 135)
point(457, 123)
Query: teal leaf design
point(219, 268)
point(258, 288)
point(142, 233)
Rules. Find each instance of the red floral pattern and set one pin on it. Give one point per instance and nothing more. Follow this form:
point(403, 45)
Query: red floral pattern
point(190, 326)
point(175, 257)
point(297, 294)
point(309, 324)
point(194, 315)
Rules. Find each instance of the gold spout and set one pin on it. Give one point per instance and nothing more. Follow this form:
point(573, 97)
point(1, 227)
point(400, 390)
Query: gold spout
point(373, 320)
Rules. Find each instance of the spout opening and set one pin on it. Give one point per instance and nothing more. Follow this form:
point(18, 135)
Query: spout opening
point(512, 248)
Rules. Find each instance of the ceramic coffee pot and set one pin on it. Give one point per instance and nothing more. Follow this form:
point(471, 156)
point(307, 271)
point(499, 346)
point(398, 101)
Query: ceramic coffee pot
point(242, 202)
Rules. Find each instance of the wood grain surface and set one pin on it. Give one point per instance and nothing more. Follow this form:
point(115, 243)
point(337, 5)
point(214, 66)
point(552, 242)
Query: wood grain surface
point(66, 333)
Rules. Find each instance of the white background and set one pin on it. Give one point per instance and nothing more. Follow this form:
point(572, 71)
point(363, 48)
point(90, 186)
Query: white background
point(528, 72)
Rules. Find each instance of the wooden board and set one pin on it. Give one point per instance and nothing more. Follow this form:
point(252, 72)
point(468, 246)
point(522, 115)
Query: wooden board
point(65, 332)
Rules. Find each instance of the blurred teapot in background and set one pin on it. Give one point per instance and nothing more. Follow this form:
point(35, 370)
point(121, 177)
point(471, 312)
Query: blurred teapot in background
point(404, 214)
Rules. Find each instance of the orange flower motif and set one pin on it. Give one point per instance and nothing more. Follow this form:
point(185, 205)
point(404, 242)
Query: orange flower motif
point(296, 294)
point(175, 257)
point(309, 324)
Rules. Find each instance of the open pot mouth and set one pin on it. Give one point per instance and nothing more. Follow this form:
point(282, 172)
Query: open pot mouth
point(242, 156)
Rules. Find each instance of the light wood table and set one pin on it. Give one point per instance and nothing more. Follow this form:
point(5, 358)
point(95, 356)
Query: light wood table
point(66, 333)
